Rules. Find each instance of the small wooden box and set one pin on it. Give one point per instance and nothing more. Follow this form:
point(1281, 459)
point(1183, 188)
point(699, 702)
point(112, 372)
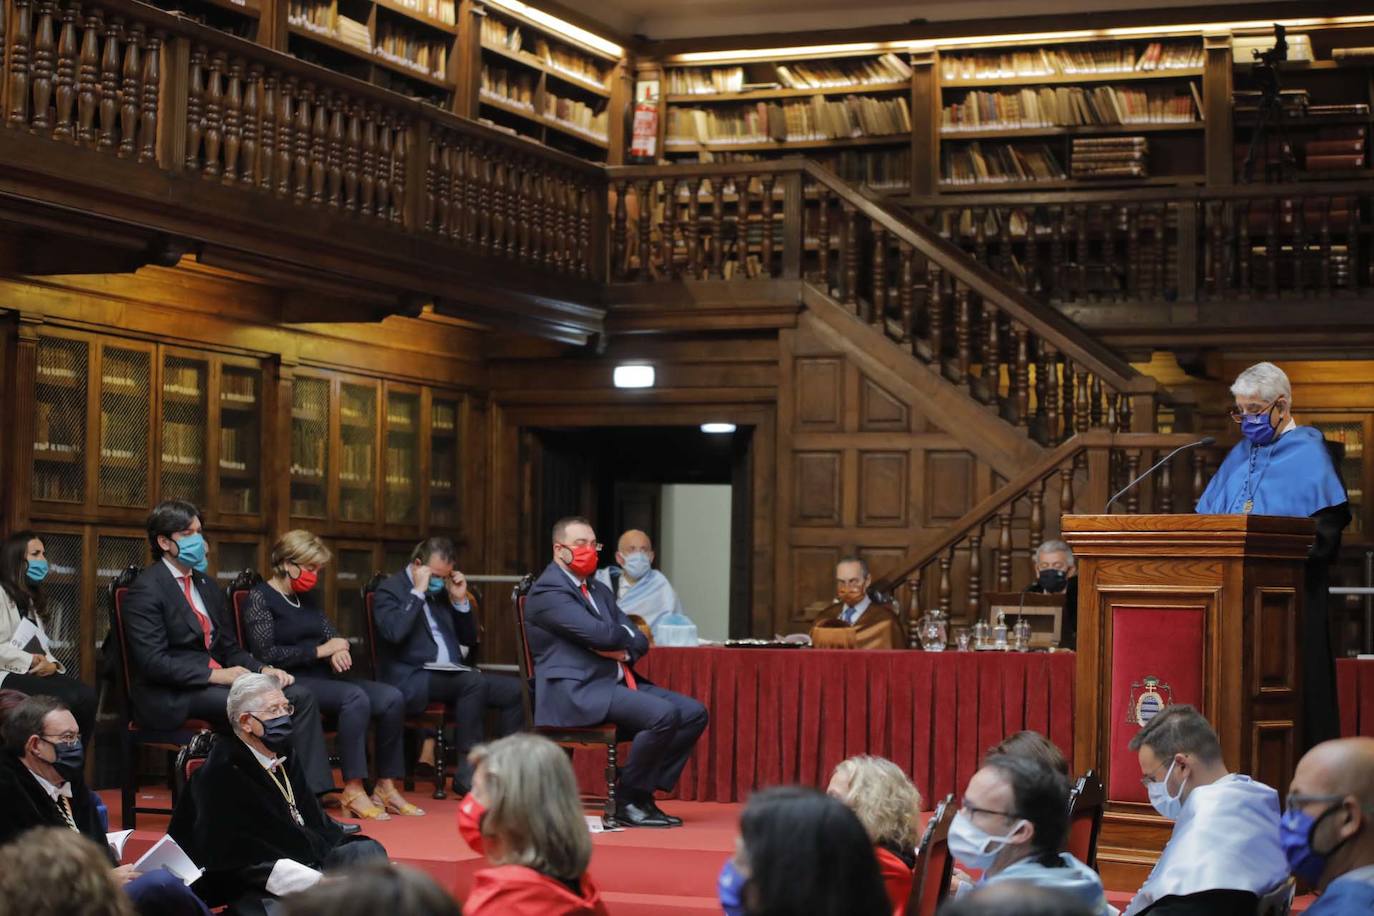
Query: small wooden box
point(1045, 613)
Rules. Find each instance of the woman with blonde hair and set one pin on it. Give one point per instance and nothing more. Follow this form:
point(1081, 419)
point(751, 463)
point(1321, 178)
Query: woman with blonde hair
point(285, 628)
point(524, 815)
point(889, 807)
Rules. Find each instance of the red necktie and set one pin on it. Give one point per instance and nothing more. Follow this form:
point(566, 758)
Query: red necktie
point(201, 618)
point(629, 675)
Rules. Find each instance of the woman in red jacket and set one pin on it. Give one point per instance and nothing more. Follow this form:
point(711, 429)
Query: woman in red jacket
point(889, 807)
point(524, 815)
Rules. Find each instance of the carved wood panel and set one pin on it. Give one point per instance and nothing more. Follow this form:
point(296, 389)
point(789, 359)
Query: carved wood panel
point(819, 389)
point(883, 481)
point(880, 410)
point(949, 485)
point(816, 500)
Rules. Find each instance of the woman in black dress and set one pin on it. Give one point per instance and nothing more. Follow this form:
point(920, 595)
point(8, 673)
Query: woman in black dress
point(286, 629)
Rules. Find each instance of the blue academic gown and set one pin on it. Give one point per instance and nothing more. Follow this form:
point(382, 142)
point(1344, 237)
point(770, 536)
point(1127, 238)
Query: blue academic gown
point(1294, 476)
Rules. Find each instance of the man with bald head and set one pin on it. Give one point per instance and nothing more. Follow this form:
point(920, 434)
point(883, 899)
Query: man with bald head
point(640, 590)
point(1327, 830)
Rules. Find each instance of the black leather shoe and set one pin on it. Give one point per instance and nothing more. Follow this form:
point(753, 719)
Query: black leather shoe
point(652, 807)
point(632, 815)
point(349, 829)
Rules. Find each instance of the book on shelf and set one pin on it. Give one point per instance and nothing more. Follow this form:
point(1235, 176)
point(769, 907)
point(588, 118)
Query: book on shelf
point(515, 89)
point(440, 10)
point(705, 80)
point(1352, 53)
point(1000, 163)
point(497, 34)
point(1246, 48)
point(1293, 101)
point(577, 115)
point(845, 73)
point(1071, 60)
point(569, 63)
point(410, 50)
point(790, 121)
point(1109, 157)
point(1069, 106)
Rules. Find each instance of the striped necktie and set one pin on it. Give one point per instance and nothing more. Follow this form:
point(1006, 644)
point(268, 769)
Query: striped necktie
point(67, 812)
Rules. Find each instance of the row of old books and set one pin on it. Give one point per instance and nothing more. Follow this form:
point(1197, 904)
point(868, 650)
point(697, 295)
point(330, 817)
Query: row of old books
point(577, 115)
point(882, 170)
point(442, 10)
point(1071, 60)
point(999, 163)
point(1331, 149)
point(325, 19)
point(1109, 157)
point(498, 34)
point(1067, 106)
point(833, 74)
point(790, 121)
point(512, 88)
point(406, 48)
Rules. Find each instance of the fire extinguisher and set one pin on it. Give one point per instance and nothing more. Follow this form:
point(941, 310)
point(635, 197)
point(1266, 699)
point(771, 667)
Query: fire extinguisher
point(644, 127)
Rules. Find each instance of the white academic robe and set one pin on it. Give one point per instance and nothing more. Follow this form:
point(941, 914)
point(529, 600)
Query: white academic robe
point(1227, 838)
point(651, 597)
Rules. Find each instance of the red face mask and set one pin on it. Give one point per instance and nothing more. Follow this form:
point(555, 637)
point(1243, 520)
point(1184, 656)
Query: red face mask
point(583, 562)
point(470, 812)
point(305, 581)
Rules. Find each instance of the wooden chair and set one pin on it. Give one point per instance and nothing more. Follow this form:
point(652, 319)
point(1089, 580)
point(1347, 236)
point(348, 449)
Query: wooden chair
point(434, 716)
point(568, 738)
point(132, 735)
point(238, 599)
point(1087, 801)
point(934, 869)
point(1278, 901)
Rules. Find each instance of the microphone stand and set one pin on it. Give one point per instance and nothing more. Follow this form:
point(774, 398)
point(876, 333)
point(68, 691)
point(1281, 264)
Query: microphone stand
point(1205, 440)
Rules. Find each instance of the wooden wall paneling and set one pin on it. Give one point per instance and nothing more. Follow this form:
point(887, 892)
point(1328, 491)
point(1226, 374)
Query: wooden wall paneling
point(926, 119)
point(883, 499)
point(1217, 79)
point(787, 421)
point(949, 486)
point(20, 379)
point(881, 411)
point(820, 393)
point(812, 572)
point(819, 478)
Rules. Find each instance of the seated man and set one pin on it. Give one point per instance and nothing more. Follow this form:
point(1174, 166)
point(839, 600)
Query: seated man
point(1224, 852)
point(1056, 573)
point(875, 626)
point(184, 649)
point(1328, 830)
point(639, 589)
point(1012, 826)
point(248, 816)
point(427, 641)
point(584, 649)
point(41, 786)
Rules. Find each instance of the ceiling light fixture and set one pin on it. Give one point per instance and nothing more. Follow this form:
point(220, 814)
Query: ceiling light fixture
point(717, 429)
point(634, 376)
point(563, 27)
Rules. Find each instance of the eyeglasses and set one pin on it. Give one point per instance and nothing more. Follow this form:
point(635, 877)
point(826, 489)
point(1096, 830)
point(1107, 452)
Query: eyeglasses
point(1238, 415)
point(273, 712)
point(67, 738)
point(583, 542)
point(971, 809)
point(849, 583)
point(1149, 778)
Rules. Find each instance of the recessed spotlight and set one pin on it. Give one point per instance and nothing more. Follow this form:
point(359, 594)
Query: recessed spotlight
point(634, 376)
point(717, 428)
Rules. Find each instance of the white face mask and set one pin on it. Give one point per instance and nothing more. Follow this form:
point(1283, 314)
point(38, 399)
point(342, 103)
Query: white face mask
point(974, 847)
point(637, 565)
point(1170, 806)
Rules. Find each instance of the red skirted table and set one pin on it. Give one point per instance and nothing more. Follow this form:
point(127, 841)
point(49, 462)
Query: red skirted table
point(1355, 692)
point(788, 716)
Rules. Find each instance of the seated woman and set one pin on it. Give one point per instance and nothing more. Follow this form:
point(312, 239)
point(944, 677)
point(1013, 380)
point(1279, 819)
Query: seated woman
point(801, 853)
point(524, 815)
point(889, 807)
point(31, 667)
point(285, 628)
point(248, 816)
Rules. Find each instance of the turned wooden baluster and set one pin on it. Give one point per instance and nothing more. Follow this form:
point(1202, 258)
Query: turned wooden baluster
point(646, 223)
point(584, 230)
point(1004, 550)
point(694, 228)
point(300, 154)
point(668, 232)
point(398, 170)
point(110, 64)
point(319, 141)
point(1164, 491)
point(214, 115)
point(1057, 270)
point(743, 216)
point(17, 55)
point(353, 157)
point(484, 198)
point(252, 125)
point(946, 592)
point(766, 212)
point(195, 108)
point(935, 315)
point(975, 574)
point(1132, 216)
point(1132, 469)
point(1081, 250)
point(1162, 249)
point(850, 256)
point(500, 207)
point(233, 122)
point(878, 307)
point(1095, 399)
point(992, 357)
point(1199, 463)
point(1324, 234)
point(1023, 364)
point(980, 235)
point(367, 180)
point(333, 163)
point(151, 79)
point(88, 80)
point(1245, 262)
point(1271, 247)
point(913, 622)
point(130, 92)
point(64, 83)
point(43, 64)
point(963, 323)
point(286, 137)
point(1300, 246)
point(1066, 488)
point(1037, 512)
point(823, 243)
point(1032, 255)
point(267, 131)
point(907, 293)
point(620, 237)
point(718, 229)
point(1082, 410)
point(525, 212)
point(436, 185)
point(472, 174)
point(459, 214)
point(557, 208)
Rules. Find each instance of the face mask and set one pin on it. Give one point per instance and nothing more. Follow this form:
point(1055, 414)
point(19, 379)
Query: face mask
point(191, 552)
point(637, 565)
point(276, 733)
point(1297, 830)
point(1257, 428)
point(583, 562)
point(1052, 580)
point(1170, 806)
point(470, 812)
point(436, 585)
point(305, 581)
point(974, 847)
point(37, 571)
point(730, 889)
point(71, 758)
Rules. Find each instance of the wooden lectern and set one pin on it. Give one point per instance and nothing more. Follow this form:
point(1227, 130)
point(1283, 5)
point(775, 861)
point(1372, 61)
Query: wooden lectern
point(1199, 609)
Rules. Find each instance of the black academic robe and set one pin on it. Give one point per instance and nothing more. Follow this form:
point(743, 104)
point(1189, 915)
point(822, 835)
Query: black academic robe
point(24, 804)
point(1068, 621)
point(233, 821)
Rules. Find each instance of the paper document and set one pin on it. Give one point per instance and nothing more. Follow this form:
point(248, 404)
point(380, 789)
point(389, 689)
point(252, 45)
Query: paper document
point(29, 638)
point(442, 666)
point(117, 839)
point(167, 854)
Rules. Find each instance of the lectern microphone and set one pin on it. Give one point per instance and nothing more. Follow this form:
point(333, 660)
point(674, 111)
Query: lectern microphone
point(1205, 440)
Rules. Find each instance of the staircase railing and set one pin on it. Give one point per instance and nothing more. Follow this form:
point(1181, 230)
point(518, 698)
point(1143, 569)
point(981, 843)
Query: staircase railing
point(797, 220)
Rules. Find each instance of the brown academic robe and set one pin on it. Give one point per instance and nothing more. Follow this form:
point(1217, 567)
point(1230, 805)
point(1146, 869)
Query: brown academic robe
point(878, 628)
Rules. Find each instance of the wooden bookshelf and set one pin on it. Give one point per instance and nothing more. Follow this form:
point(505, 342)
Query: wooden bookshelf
point(764, 94)
point(1069, 79)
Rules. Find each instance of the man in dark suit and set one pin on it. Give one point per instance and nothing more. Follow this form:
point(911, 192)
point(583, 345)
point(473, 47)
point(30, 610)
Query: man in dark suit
point(428, 641)
point(183, 647)
point(584, 650)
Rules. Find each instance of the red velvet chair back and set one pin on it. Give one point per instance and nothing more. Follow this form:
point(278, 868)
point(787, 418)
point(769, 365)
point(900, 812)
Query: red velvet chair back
point(238, 599)
point(1087, 801)
point(934, 865)
point(526, 658)
point(118, 589)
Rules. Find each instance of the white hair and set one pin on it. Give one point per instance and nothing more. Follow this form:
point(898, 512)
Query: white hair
point(1053, 546)
point(247, 693)
point(1265, 381)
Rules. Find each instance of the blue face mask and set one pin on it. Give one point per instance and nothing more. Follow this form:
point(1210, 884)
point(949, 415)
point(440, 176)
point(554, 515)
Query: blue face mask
point(1296, 829)
point(191, 552)
point(436, 585)
point(730, 889)
point(37, 571)
point(637, 565)
point(1257, 428)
